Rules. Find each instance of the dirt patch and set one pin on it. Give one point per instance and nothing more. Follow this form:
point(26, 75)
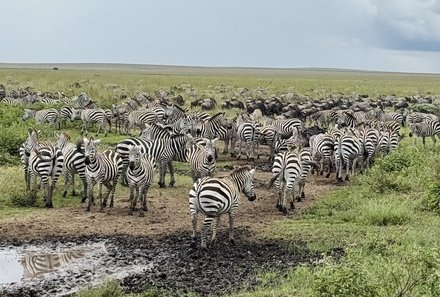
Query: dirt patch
point(169, 262)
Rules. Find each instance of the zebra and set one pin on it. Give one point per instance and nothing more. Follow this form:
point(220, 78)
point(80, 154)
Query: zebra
point(140, 174)
point(97, 116)
point(324, 118)
point(215, 196)
point(42, 116)
point(74, 163)
point(34, 265)
point(248, 133)
point(201, 159)
point(347, 149)
point(209, 129)
point(162, 150)
point(44, 161)
point(391, 126)
point(417, 117)
point(67, 113)
point(392, 116)
point(369, 138)
point(25, 150)
point(155, 131)
point(286, 172)
point(49, 101)
point(102, 169)
point(82, 101)
point(322, 148)
point(268, 137)
point(423, 129)
point(284, 128)
point(140, 118)
point(352, 119)
point(307, 164)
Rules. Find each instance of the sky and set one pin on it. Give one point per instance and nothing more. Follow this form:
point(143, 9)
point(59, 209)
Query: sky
point(384, 35)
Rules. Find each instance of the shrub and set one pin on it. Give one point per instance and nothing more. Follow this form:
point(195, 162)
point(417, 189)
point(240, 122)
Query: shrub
point(12, 133)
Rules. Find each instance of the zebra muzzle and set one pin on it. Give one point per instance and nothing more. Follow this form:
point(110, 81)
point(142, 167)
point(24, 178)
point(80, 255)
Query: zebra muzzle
point(87, 160)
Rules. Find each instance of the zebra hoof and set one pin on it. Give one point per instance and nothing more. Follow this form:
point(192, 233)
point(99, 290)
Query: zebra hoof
point(83, 199)
point(65, 194)
point(161, 185)
point(339, 179)
point(303, 196)
point(49, 205)
point(292, 206)
point(321, 173)
point(285, 209)
point(327, 175)
point(252, 159)
point(88, 209)
point(141, 214)
point(171, 185)
point(346, 178)
point(130, 212)
point(74, 193)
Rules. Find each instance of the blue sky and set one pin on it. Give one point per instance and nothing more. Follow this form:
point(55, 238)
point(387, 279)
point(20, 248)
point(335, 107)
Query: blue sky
point(389, 35)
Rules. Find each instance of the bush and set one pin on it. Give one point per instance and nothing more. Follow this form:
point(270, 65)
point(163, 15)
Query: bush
point(427, 108)
point(13, 132)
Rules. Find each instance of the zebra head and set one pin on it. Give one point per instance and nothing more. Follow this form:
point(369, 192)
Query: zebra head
point(210, 149)
point(31, 141)
point(90, 148)
point(134, 156)
point(244, 177)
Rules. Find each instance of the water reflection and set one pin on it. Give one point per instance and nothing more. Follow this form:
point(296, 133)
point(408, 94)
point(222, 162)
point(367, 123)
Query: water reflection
point(15, 267)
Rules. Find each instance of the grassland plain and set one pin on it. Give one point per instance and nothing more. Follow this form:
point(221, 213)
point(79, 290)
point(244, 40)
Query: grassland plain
point(386, 221)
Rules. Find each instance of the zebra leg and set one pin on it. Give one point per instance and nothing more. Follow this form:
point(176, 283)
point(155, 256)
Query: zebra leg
point(99, 128)
point(102, 205)
point(301, 194)
point(112, 191)
point(132, 197)
point(84, 191)
point(90, 184)
point(194, 225)
point(144, 200)
point(206, 225)
point(162, 166)
point(231, 227)
point(433, 140)
point(215, 224)
point(347, 169)
point(172, 178)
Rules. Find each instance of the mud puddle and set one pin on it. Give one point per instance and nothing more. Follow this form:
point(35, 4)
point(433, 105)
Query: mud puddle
point(170, 262)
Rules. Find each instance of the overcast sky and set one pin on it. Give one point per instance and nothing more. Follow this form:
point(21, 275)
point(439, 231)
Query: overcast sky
point(391, 35)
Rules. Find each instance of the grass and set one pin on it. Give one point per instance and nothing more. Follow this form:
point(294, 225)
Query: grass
point(386, 221)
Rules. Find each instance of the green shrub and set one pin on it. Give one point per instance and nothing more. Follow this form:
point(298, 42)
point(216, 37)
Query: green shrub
point(427, 108)
point(13, 132)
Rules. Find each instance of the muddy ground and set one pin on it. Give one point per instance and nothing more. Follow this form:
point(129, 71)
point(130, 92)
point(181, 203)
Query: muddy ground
point(160, 244)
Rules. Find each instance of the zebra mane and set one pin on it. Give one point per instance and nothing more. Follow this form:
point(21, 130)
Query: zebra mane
point(241, 169)
point(216, 116)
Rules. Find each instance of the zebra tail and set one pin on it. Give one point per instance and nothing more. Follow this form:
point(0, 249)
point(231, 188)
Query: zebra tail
point(274, 178)
point(314, 164)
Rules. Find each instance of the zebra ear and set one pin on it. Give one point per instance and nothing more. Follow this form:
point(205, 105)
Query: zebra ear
point(214, 140)
point(97, 142)
point(30, 130)
point(252, 172)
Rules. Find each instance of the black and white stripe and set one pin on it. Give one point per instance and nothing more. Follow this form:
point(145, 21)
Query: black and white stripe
point(102, 169)
point(322, 148)
point(347, 149)
point(428, 128)
point(201, 158)
point(140, 173)
point(216, 196)
point(42, 116)
point(97, 116)
point(248, 133)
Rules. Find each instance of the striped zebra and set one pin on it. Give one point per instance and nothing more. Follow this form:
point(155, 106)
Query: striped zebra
point(82, 101)
point(201, 158)
point(74, 163)
point(102, 169)
point(391, 126)
point(369, 138)
point(322, 149)
point(284, 128)
point(268, 136)
point(388, 142)
point(248, 133)
point(352, 119)
point(216, 196)
point(347, 149)
point(424, 129)
point(140, 173)
point(417, 117)
point(67, 113)
point(139, 118)
point(35, 265)
point(97, 116)
point(49, 101)
point(307, 164)
point(162, 150)
point(209, 129)
point(324, 118)
point(25, 150)
point(392, 116)
point(44, 161)
point(286, 172)
point(42, 116)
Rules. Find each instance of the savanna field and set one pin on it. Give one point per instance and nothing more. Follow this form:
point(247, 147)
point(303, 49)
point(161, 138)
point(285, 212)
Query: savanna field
point(377, 234)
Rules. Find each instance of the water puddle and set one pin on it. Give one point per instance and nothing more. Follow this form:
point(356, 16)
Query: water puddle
point(22, 264)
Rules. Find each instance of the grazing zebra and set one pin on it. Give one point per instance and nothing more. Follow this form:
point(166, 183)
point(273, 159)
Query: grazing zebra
point(423, 129)
point(102, 169)
point(388, 142)
point(140, 118)
point(417, 117)
point(34, 265)
point(322, 148)
point(42, 116)
point(140, 174)
point(215, 196)
point(248, 132)
point(286, 171)
point(82, 101)
point(392, 116)
point(209, 129)
point(44, 161)
point(97, 116)
point(67, 113)
point(74, 163)
point(347, 149)
point(162, 150)
point(201, 158)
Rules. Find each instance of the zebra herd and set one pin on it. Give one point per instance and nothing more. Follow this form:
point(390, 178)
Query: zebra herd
point(335, 140)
